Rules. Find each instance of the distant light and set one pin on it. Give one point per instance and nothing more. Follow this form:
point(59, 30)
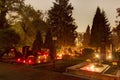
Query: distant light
point(18, 59)
point(38, 61)
point(59, 56)
point(29, 61)
point(92, 68)
point(115, 63)
point(39, 57)
point(88, 60)
point(24, 61)
point(44, 55)
point(97, 56)
point(110, 57)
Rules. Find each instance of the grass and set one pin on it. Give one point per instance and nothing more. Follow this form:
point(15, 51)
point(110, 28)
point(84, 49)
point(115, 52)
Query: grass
point(61, 66)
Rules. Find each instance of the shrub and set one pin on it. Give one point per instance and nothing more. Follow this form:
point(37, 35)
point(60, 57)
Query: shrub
point(87, 51)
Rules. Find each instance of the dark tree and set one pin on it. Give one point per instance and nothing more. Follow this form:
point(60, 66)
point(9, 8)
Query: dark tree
point(106, 34)
point(8, 38)
point(115, 38)
point(38, 43)
point(3, 21)
point(117, 29)
point(31, 21)
point(118, 11)
point(49, 44)
point(100, 31)
point(7, 6)
point(86, 36)
point(62, 23)
point(95, 31)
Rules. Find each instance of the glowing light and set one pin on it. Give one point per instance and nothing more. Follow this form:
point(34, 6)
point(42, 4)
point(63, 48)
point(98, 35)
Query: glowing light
point(97, 56)
point(114, 63)
point(92, 68)
point(24, 61)
point(44, 55)
point(39, 57)
point(97, 69)
point(110, 57)
point(18, 59)
point(29, 61)
point(38, 61)
point(88, 60)
point(59, 56)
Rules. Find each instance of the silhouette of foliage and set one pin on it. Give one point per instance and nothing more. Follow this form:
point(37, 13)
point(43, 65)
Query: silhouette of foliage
point(86, 36)
point(100, 31)
point(50, 44)
point(38, 43)
point(8, 38)
point(62, 23)
point(7, 6)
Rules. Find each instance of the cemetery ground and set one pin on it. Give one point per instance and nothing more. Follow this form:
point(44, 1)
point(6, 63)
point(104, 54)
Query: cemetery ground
point(44, 71)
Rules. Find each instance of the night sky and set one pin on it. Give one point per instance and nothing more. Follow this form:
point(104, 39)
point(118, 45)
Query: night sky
point(84, 10)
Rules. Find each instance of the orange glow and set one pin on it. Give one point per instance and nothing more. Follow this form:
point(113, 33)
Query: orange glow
point(44, 55)
point(92, 68)
point(59, 56)
point(97, 56)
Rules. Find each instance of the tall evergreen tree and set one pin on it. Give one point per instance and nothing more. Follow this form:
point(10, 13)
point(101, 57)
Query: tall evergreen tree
point(38, 43)
point(117, 29)
point(86, 36)
point(49, 44)
point(95, 38)
point(100, 31)
point(62, 23)
point(115, 38)
point(106, 34)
